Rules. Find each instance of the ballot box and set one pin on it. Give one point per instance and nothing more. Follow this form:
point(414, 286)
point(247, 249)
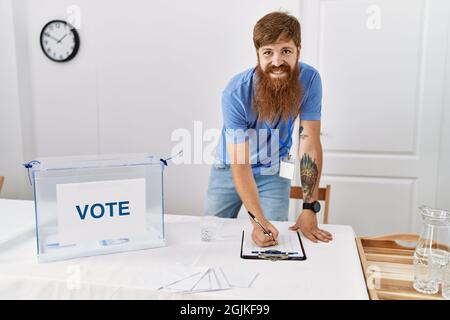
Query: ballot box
point(93, 205)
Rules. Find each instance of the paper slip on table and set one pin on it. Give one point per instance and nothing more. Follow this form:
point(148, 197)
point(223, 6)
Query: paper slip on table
point(388, 267)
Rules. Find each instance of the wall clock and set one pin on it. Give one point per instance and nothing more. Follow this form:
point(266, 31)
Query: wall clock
point(59, 41)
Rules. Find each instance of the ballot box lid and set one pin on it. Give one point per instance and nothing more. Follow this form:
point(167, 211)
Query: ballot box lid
point(93, 161)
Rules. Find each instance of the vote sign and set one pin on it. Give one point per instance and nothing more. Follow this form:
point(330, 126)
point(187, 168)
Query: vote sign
point(103, 210)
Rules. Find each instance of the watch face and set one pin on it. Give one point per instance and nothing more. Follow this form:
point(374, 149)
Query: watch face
point(59, 41)
point(316, 206)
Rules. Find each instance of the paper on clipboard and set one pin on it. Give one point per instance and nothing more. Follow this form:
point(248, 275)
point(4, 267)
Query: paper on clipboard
point(289, 247)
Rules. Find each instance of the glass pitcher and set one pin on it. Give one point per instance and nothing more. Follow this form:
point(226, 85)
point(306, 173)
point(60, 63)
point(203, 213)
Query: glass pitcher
point(432, 251)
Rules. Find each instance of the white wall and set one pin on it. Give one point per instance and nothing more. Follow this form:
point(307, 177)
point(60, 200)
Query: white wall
point(144, 69)
point(443, 187)
point(11, 141)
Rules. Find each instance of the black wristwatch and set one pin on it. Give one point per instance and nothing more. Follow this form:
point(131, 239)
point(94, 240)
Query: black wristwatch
point(314, 206)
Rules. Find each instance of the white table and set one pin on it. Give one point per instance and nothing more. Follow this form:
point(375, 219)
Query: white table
point(331, 271)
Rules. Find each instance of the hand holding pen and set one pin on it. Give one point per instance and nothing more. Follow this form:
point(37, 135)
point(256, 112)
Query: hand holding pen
point(264, 234)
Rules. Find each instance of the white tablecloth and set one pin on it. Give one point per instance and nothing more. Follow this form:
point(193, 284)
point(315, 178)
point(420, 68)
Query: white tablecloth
point(331, 271)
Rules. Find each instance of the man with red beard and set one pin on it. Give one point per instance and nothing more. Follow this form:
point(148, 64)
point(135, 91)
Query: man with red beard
point(259, 108)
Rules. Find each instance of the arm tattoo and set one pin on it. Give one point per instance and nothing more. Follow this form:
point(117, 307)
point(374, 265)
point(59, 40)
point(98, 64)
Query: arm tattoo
point(303, 136)
point(308, 174)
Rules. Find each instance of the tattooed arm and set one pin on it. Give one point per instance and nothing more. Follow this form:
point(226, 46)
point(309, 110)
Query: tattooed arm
point(310, 154)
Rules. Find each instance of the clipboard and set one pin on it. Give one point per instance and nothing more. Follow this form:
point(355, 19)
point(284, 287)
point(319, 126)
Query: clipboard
point(275, 255)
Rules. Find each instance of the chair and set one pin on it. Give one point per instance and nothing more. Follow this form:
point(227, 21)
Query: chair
point(324, 195)
point(1, 182)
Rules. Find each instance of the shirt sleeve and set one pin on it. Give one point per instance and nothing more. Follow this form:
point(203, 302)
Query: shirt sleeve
point(234, 118)
point(312, 106)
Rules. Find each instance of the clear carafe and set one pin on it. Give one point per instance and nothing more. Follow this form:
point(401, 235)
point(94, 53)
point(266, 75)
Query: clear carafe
point(432, 251)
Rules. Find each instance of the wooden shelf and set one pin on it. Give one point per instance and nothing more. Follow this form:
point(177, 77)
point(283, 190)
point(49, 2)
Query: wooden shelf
point(388, 268)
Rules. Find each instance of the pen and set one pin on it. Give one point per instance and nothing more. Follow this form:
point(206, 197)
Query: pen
point(259, 224)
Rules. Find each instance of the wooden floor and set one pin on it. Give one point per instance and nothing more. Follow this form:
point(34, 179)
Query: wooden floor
point(388, 268)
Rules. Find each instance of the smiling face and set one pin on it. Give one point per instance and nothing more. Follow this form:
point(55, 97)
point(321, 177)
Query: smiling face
point(278, 60)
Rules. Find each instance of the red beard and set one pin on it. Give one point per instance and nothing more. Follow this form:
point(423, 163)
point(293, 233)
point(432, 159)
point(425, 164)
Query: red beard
point(277, 97)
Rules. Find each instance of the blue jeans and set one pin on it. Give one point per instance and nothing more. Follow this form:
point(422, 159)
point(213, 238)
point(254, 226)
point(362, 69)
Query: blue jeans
point(224, 201)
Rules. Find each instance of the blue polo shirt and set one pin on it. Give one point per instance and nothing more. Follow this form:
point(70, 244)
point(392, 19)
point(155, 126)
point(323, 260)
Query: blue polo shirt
point(269, 142)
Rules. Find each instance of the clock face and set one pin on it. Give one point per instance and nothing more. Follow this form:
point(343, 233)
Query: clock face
point(59, 41)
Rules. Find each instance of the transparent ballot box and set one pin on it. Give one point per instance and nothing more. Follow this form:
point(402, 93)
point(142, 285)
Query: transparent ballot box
point(96, 205)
